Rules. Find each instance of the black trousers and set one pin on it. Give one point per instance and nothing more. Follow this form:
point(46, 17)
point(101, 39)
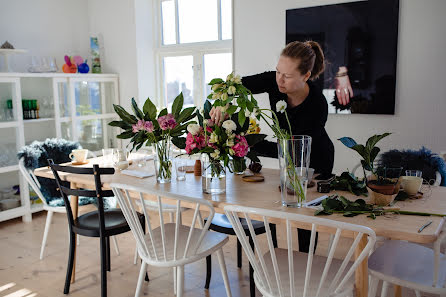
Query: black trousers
point(304, 237)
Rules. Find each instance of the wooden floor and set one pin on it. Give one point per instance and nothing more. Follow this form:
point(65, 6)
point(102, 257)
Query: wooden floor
point(23, 274)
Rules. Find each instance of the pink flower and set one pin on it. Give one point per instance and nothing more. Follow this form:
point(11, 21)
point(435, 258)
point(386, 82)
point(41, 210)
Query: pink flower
point(138, 126)
point(167, 122)
point(148, 126)
point(193, 142)
point(241, 147)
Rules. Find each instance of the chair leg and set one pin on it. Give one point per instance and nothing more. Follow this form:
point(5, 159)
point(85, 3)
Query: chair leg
point(107, 246)
point(172, 220)
point(272, 227)
point(180, 281)
point(224, 273)
point(174, 280)
point(384, 289)
point(239, 254)
point(208, 271)
point(373, 286)
point(49, 217)
point(70, 263)
point(115, 242)
point(135, 258)
point(103, 241)
point(252, 285)
point(142, 272)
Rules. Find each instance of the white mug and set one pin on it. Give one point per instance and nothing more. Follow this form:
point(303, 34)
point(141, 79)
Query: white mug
point(79, 155)
point(411, 184)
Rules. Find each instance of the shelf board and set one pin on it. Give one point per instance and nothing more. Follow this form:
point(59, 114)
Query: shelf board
point(36, 207)
point(12, 213)
point(11, 124)
point(38, 120)
point(9, 168)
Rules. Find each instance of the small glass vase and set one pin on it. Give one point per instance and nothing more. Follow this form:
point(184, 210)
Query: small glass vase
point(238, 165)
point(163, 161)
point(294, 160)
point(213, 175)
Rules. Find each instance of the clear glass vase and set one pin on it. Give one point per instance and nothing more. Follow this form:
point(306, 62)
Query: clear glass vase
point(294, 160)
point(163, 161)
point(238, 165)
point(213, 175)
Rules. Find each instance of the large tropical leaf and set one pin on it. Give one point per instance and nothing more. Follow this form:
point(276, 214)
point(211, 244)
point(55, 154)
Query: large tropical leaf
point(126, 135)
point(241, 117)
point(207, 109)
point(348, 142)
point(372, 141)
point(252, 139)
point(177, 105)
point(162, 113)
point(149, 110)
point(121, 124)
point(124, 115)
point(179, 142)
point(186, 115)
point(136, 110)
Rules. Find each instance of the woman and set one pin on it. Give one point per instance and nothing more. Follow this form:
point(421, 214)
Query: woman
point(298, 65)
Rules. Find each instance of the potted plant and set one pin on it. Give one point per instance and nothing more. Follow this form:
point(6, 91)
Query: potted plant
point(381, 180)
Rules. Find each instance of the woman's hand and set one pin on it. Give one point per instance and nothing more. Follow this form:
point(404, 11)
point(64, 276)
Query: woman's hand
point(343, 87)
point(218, 115)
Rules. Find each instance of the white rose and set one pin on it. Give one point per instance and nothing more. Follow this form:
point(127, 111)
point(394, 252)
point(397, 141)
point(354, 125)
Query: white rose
point(229, 125)
point(193, 129)
point(224, 96)
point(215, 154)
point(215, 96)
point(281, 106)
point(231, 90)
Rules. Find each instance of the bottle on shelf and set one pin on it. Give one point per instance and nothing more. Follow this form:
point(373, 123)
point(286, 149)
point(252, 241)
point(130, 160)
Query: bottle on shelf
point(9, 111)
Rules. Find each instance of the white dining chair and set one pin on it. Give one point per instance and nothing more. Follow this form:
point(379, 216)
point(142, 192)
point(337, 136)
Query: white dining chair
point(171, 244)
point(287, 272)
point(32, 180)
point(409, 265)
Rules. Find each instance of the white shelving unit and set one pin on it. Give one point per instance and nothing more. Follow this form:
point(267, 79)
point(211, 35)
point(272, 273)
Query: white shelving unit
point(72, 106)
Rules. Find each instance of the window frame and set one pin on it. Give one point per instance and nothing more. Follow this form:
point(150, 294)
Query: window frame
point(196, 49)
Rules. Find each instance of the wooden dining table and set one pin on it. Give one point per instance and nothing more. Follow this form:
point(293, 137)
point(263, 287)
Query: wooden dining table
point(267, 195)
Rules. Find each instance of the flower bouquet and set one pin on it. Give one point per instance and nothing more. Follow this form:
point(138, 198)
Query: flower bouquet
point(146, 127)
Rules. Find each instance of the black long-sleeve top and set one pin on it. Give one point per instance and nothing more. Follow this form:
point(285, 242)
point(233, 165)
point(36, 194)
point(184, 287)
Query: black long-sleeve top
point(308, 118)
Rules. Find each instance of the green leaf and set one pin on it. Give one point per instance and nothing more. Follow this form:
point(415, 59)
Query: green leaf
point(136, 110)
point(252, 139)
point(372, 141)
point(320, 212)
point(177, 105)
point(126, 135)
point(251, 155)
point(216, 81)
point(349, 214)
point(200, 118)
point(179, 142)
point(241, 117)
point(124, 115)
point(121, 124)
point(162, 112)
point(149, 110)
point(231, 109)
point(186, 115)
point(374, 153)
point(207, 109)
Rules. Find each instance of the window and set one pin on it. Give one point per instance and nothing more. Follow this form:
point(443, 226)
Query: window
point(195, 45)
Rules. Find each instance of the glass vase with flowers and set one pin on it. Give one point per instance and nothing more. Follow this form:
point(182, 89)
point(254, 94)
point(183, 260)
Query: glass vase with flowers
point(147, 127)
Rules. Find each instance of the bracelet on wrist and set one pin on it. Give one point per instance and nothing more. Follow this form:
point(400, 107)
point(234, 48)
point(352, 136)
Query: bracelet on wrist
point(340, 74)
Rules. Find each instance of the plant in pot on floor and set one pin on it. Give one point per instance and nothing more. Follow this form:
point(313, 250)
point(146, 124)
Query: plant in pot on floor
point(382, 182)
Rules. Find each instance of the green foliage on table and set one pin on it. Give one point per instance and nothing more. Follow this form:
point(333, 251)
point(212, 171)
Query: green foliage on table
point(349, 182)
point(339, 204)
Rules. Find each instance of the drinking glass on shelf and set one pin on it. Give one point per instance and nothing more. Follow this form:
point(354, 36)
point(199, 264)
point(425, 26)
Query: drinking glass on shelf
point(120, 159)
point(417, 173)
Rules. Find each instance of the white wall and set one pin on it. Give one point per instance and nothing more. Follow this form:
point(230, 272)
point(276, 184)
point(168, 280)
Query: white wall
point(44, 28)
point(259, 35)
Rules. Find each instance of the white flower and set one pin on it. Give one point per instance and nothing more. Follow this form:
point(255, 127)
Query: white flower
point(213, 138)
point(281, 106)
point(193, 129)
point(224, 96)
point(231, 152)
point(229, 125)
point(215, 154)
point(223, 108)
point(230, 76)
point(216, 86)
point(215, 96)
point(230, 142)
point(254, 112)
point(247, 113)
point(237, 79)
point(231, 90)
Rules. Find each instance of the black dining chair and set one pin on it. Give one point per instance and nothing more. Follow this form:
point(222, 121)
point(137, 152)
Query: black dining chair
point(221, 224)
point(99, 223)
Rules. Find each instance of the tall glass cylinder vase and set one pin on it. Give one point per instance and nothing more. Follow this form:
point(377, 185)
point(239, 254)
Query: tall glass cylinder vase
point(163, 161)
point(213, 175)
point(294, 160)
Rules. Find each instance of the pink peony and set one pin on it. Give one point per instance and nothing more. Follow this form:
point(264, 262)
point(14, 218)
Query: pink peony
point(167, 122)
point(193, 142)
point(241, 147)
point(148, 126)
point(138, 126)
